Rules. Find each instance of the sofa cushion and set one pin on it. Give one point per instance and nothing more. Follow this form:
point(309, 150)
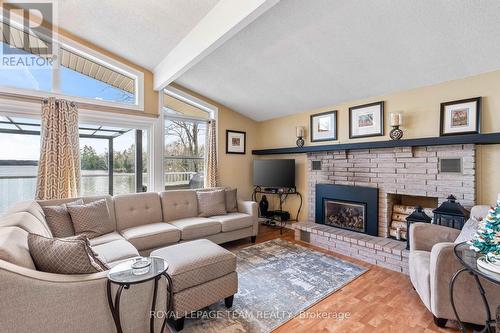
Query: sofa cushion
point(196, 262)
point(231, 200)
point(136, 209)
point(31, 207)
point(59, 220)
point(14, 247)
point(178, 204)
point(211, 203)
point(106, 238)
point(25, 221)
point(233, 221)
point(197, 227)
point(152, 235)
point(72, 255)
point(419, 264)
point(115, 250)
point(91, 219)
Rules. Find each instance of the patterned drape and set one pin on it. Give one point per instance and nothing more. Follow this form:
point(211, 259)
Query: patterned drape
point(211, 172)
point(59, 166)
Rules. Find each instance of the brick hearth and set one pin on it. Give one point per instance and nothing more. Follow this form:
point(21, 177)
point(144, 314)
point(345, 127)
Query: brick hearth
point(385, 252)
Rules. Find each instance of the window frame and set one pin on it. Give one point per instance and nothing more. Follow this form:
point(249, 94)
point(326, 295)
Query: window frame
point(158, 149)
point(61, 41)
point(136, 122)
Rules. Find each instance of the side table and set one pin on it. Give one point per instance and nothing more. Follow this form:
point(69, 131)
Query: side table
point(123, 276)
point(468, 259)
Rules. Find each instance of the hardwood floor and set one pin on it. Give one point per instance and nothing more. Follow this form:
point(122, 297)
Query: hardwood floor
point(378, 301)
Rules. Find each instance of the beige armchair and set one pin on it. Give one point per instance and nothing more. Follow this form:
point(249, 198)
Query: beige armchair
point(433, 264)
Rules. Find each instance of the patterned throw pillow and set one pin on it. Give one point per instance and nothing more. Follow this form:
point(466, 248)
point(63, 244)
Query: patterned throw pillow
point(211, 203)
point(231, 200)
point(91, 219)
point(59, 220)
point(468, 231)
point(71, 255)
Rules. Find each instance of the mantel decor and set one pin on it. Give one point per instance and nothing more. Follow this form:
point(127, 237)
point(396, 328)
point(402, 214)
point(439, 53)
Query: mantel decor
point(324, 126)
point(461, 117)
point(236, 142)
point(366, 120)
point(396, 122)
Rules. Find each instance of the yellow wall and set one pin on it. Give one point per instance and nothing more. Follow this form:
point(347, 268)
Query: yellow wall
point(420, 108)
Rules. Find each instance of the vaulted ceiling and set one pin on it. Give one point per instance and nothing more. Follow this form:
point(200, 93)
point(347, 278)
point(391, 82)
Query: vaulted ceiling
point(297, 55)
point(301, 55)
point(143, 32)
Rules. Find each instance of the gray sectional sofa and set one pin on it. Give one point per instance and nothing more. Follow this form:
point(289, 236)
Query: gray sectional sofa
point(34, 301)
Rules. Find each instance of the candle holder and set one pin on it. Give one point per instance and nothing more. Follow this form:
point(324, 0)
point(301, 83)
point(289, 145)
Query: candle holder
point(396, 133)
point(300, 142)
point(300, 136)
point(396, 121)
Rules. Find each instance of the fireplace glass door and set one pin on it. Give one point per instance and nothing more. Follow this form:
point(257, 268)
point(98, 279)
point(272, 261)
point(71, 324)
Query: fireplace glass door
point(345, 214)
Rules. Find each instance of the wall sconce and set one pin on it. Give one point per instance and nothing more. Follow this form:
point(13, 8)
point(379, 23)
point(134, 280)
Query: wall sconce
point(300, 136)
point(396, 122)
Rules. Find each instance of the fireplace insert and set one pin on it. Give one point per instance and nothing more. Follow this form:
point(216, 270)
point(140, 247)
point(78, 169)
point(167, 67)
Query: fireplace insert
point(345, 214)
point(348, 207)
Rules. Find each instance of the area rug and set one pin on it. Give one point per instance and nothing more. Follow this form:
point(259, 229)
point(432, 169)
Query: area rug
point(278, 280)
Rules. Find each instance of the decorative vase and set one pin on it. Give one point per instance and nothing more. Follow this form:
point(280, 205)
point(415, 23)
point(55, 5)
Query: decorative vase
point(300, 142)
point(396, 133)
point(263, 206)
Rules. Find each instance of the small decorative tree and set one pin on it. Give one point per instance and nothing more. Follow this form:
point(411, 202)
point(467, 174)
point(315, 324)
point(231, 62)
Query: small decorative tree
point(487, 238)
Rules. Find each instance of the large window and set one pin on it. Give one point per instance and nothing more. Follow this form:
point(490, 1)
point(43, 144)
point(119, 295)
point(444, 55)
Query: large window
point(77, 72)
point(185, 144)
point(110, 161)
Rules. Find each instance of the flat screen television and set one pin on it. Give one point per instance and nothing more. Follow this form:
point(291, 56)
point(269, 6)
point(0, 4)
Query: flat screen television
point(274, 173)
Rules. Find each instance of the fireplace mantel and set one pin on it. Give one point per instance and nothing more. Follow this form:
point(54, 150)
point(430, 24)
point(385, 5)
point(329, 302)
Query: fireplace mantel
point(478, 139)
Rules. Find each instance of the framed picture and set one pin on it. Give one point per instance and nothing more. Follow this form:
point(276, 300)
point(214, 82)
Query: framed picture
point(324, 126)
point(461, 117)
point(236, 142)
point(366, 120)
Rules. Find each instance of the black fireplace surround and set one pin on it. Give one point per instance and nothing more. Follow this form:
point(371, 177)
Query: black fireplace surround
point(355, 196)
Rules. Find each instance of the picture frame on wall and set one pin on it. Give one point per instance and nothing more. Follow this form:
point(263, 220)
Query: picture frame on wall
point(324, 126)
point(461, 117)
point(236, 142)
point(366, 120)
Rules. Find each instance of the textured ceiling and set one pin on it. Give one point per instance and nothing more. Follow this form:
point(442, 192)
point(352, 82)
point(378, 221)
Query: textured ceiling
point(302, 54)
point(143, 32)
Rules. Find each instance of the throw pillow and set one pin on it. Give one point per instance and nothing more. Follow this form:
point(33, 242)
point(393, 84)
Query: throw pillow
point(71, 255)
point(231, 200)
point(211, 203)
point(59, 220)
point(468, 231)
point(91, 219)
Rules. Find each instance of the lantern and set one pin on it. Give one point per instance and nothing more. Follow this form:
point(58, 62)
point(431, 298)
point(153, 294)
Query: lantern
point(451, 214)
point(418, 215)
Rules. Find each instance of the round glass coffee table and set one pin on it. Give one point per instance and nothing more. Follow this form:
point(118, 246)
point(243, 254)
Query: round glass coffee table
point(123, 275)
point(468, 259)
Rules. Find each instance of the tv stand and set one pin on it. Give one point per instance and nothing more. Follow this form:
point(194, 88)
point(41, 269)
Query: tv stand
point(278, 217)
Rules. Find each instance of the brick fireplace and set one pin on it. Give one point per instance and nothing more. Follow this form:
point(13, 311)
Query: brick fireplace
point(403, 177)
point(409, 174)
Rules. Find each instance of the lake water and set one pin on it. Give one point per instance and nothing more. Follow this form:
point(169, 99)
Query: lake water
point(94, 182)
